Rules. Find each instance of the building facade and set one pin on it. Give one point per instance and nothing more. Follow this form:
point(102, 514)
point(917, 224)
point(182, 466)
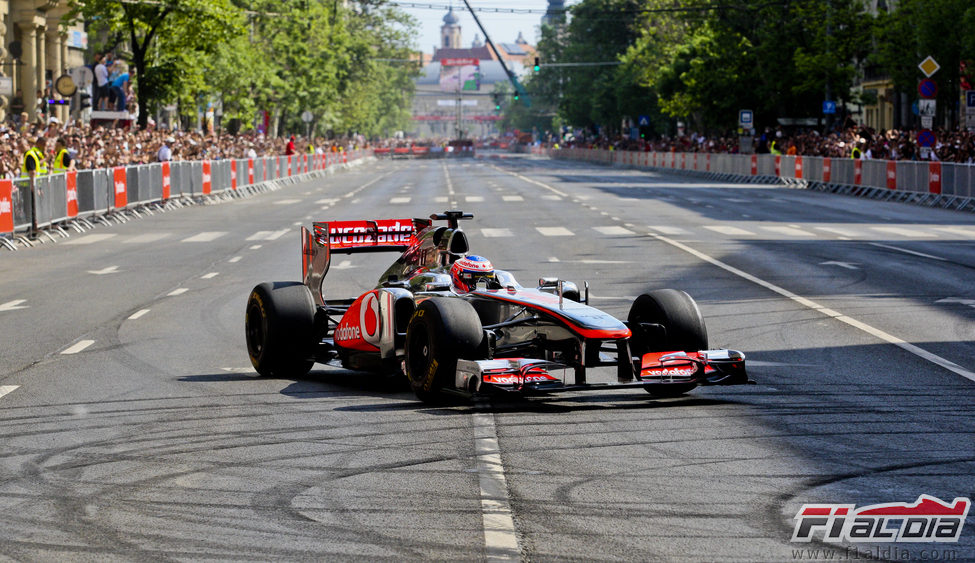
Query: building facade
point(35, 50)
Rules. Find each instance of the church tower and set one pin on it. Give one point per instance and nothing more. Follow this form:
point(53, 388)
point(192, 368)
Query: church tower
point(450, 31)
point(555, 13)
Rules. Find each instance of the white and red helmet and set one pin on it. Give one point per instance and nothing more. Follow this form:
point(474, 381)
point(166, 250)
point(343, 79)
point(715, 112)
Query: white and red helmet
point(465, 272)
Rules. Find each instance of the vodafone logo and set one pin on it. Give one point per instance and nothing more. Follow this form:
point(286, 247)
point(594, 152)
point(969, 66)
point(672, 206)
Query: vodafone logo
point(120, 187)
point(935, 177)
point(346, 333)
point(369, 319)
point(206, 178)
point(5, 206)
point(72, 196)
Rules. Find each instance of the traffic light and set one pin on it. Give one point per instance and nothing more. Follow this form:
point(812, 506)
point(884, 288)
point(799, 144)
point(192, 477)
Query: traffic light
point(85, 100)
point(516, 96)
point(538, 66)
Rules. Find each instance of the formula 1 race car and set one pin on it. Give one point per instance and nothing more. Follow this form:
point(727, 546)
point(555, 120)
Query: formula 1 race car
point(452, 323)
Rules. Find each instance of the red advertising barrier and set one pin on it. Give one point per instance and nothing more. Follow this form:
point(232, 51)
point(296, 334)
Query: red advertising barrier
point(206, 177)
point(827, 170)
point(6, 206)
point(799, 167)
point(167, 183)
point(754, 165)
point(857, 171)
point(778, 165)
point(118, 179)
point(250, 170)
point(71, 186)
point(290, 158)
point(934, 178)
point(233, 174)
point(708, 162)
point(891, 175)
point(683, 160)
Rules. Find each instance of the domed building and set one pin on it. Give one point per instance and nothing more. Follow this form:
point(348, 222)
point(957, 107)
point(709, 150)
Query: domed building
point(453, 92)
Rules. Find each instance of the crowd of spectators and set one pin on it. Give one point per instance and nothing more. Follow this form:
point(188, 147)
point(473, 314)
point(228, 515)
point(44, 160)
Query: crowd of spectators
point(98, 147)
point(854, 142)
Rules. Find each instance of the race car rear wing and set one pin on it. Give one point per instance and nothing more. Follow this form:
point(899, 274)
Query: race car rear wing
point(380, 235)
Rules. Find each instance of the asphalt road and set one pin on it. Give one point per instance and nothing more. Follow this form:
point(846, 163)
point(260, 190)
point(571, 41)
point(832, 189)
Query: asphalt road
point(132, 426)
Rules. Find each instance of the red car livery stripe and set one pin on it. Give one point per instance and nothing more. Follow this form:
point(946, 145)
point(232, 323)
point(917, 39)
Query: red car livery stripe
point(573, 324)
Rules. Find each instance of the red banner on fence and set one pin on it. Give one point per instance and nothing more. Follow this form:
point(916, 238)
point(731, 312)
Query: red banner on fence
point(891, 175)
point(708, 162)
point(206, 178)
point(827, 170)
point(934, 177)
point(71, 187)
point(778, 166)
point(799, 168)
point(857, 171)
point(250, 171)
point(167, 182)
point(118, 180)
point(754, 165)
point(233, 174)
point(6, 206)
point(289, 164)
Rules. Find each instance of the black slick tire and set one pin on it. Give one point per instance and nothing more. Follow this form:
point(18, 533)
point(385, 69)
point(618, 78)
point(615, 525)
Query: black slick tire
point(279, 328)
point(441, 331)
point(683, 330)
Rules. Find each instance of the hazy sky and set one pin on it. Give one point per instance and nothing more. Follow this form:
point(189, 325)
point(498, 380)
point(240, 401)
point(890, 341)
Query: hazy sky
point(503, 28)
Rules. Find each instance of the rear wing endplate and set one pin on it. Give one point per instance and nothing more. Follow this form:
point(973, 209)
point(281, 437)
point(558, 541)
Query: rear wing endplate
point(381, 235)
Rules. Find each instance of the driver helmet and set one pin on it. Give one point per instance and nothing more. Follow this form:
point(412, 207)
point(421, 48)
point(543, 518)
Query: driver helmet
point(465, 272)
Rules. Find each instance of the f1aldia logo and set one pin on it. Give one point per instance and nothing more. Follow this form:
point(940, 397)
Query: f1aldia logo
point(928, 519)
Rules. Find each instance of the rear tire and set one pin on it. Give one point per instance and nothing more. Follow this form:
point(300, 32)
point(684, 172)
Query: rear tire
point(441, 331)
point(279, 328)
point(684, 330)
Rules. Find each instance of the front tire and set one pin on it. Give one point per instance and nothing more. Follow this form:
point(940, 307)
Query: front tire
point(683, 329)
point(441, 331)
point(279, 328)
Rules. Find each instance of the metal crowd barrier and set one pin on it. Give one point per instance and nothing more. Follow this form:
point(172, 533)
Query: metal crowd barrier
point(79, 195)
point(952, 182)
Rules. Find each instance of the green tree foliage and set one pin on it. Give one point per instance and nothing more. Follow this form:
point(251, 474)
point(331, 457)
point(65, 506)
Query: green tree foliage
point(344, 62)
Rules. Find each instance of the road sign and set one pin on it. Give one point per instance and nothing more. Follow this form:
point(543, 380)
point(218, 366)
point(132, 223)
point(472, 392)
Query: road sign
point(927, 88)
point(643, 121)
point(307, 116)
point(829, 107)
point(926, 138)
point(746, 118)
point(927, 108)
point(929, 66)
point(927, 122)
point(970, 99)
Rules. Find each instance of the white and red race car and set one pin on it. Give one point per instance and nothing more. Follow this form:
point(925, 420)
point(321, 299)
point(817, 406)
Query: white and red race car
point(495, 336)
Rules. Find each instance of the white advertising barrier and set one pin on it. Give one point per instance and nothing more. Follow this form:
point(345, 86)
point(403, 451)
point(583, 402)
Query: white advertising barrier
point(61, 199)
point(952, 182)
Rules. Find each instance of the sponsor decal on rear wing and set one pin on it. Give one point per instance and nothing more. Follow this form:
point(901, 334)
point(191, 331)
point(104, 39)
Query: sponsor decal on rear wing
point(360, 236)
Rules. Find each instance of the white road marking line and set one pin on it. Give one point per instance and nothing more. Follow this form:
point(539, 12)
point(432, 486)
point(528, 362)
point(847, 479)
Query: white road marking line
point(512, 198)
point(496, 233)
point(612, 230)
point(553, 259)
point(904, 232)
point(667, 230)
point(440, 199)
point(916, 350)
point(78, 347)
point(963, 301)
point(847, 265)
point(500, 539)
point(343, 265)
point(179, 291)
point(530, 181)
point(145, 238)
point(726, 230)
point(206, 236)
point(327, 201)
point(234, 259)
point(103, 271)
point(138, 314)
point(91, 239)
point(285, 201)
point(554, 231)
point(906, 251)
point(255, 247)
point(6, 389)
point(552, 197)
point(474, 199)
point(13, 305)
point(400, 200)
point(968, 232)
point(209, 276)
point(787, 231)
point(278, 234)
point(835, 231)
